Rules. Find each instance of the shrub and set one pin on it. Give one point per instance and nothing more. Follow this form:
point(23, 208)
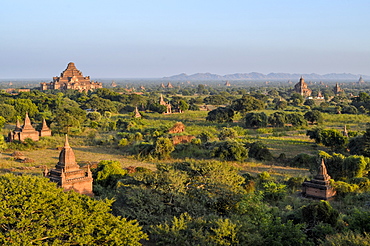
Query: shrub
point(230, 150)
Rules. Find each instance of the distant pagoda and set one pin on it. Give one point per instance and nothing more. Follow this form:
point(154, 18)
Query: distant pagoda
point(361, 81)
point(302, 88)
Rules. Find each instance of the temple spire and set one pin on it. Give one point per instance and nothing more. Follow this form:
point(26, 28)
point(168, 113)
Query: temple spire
point(66, 143)
point(18, 125)
point(322, 173)
point(67, 159)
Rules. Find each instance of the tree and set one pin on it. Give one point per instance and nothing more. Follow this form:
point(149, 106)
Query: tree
point(297, 99)
point(35, 211)
point(2, 122)
point(247, 103)
point(313, 116)
point(108, 173)
point(162, 148)
point(100, 104)
point(67, 117)
point(215, 100)
point(230, 150)
point(255, 120)
point(277, 119)
point(296, 120)
point(259, 151)
point(3, 144)
point(227, 132)
point(183, 105)
point(23, 106)
point(333, 138)
point(95, 116)
point(221, 115)
point(309, 102)
point(7, 111)
point(280, 105)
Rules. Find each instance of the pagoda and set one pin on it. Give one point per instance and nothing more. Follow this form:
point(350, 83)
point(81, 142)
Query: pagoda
point(319, 187)
point(137, 113)
point(168, 105)
point(337, 89)
point(45, 130)
point(68, 174)
point(20, 133)
point(71, 78)
point(302, 88)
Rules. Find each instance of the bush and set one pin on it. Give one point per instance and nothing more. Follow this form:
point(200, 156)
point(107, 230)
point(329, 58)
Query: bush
point(259, 151)
point(230, 150)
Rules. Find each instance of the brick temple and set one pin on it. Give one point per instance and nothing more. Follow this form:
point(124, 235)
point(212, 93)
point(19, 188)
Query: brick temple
point(302, 88)
point(71, 78)
point(68, 174)
point(21, 133)
point(319, 187)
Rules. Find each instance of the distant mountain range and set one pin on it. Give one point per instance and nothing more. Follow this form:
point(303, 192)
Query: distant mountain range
point(270, 76)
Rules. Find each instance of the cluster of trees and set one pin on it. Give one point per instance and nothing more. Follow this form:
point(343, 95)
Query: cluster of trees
point(213, 204)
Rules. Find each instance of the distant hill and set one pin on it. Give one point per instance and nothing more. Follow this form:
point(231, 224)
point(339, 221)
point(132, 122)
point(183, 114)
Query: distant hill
point(270, 76)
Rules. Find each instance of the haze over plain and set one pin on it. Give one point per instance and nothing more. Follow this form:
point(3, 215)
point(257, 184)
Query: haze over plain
point(148, 39)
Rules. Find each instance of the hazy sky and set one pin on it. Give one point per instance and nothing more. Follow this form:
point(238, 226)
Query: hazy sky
point(156, 38)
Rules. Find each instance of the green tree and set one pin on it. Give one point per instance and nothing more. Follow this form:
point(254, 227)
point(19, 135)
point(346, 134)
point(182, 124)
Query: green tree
point(277, 119)
point(162, 148)
point(34, 211)
point(215, 100)
point(7, 111)
point(296, 120)
point(313, 116)
point(108, 173)
point(227, 132)
point(3, 145)
point(230, 150)
point(309, 102)
point(333, 138)
point(2, 122)
point(247, 103)
point(259, 151)
point(221, 115)
point(22, 106)
point(280, 105)
point(183, 105)
point(95, 116)
point(255, 120)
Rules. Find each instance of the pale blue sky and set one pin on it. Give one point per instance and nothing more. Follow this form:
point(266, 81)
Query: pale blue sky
point(149, 38)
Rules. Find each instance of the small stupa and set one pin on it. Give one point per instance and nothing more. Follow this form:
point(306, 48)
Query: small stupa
point(319, 187)
point(137, 113)
point(45, 130)
point(68, 174)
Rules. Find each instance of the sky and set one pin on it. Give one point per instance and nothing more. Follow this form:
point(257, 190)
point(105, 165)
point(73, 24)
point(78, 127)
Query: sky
point(157, 38)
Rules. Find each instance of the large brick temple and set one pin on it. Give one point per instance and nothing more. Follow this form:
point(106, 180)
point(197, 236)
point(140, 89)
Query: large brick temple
point(68, 174)
point(71, 78)
point(302, 88)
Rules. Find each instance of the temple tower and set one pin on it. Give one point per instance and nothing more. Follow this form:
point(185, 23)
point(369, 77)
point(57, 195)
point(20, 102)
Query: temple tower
point(319, 187)
point(137, 113)
point(45, 130)
point(68, 174)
